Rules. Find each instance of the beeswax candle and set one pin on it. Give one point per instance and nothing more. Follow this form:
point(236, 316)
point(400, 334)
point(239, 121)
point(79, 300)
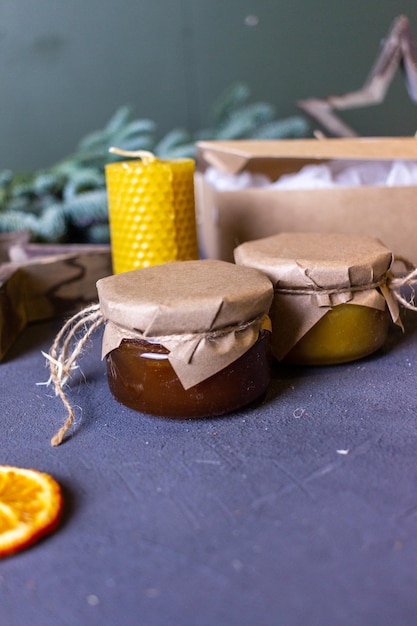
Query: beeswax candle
point(151, 211)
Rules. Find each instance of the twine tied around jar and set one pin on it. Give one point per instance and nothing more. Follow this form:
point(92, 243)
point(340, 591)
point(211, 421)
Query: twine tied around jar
point(392, 282)
point(71, 339)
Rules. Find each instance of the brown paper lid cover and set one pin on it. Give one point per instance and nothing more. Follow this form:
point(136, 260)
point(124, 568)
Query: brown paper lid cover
point(181, 305)
point(317, 260)
point(184, 297)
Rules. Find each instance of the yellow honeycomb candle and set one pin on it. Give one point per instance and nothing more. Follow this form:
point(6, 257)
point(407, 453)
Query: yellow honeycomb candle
point(151, 211)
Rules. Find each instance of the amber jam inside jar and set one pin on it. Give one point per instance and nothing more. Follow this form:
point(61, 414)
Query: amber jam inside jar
point(187, 338)
point(141, 377)
point(346, 333)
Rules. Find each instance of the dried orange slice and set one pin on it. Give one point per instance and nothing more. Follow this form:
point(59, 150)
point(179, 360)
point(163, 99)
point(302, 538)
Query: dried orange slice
point(30, 507)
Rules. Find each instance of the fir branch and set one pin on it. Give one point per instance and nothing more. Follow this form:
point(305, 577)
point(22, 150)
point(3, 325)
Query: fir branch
point(68, 201)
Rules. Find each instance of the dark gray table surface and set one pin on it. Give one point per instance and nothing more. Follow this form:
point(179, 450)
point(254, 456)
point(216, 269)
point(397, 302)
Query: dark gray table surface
point(301, 511)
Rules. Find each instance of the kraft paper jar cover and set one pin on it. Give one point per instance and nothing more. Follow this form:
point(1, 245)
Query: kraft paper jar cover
point(206, 312)
point(318, 263)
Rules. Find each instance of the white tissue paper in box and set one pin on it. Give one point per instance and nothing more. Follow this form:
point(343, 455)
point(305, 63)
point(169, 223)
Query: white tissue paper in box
point(249, 189)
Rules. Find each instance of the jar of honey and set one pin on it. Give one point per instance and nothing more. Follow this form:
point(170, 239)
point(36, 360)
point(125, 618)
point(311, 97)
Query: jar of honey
point(331, 300)
point(187, 339)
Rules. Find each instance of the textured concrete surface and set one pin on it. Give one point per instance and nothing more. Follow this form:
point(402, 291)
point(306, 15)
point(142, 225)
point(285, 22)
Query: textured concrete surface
point(300, 511)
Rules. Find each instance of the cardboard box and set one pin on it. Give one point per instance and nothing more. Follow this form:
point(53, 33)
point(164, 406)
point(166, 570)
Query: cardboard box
point(229, 218)
point(41, 281)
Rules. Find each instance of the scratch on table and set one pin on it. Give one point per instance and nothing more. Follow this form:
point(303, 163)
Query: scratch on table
point(334, 465)
point(184, 560)
point(207, 461)
point(178, 499)
point(133, 464)
point(187, 511)
point(164, 547)
point(410, 512)
point(292, 484)
point(293, 479)
point(267, 498)
point(228, 515)
point(322, 471)
point(127, 484)
point(185, 465)
point(109, 435)
point(230, 457)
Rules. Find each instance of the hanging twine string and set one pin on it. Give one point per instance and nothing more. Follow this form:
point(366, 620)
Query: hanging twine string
point(397, 283)
point(62, 361)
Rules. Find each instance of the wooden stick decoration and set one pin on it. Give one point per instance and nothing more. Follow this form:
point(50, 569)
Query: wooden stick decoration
point(398, 50)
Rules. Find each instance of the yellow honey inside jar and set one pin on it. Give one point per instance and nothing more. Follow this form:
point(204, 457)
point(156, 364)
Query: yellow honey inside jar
point(330, 301)
point(346, 333)
point(186, 339)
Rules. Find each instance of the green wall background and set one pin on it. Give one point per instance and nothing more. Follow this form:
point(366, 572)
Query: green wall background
point(67, 65)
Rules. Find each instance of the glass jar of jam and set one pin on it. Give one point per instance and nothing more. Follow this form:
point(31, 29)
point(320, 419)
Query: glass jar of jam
point(141, 377)
point(187, 339)
point(331, 296)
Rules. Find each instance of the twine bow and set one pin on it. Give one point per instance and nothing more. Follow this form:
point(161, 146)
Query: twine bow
point(396, 283)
